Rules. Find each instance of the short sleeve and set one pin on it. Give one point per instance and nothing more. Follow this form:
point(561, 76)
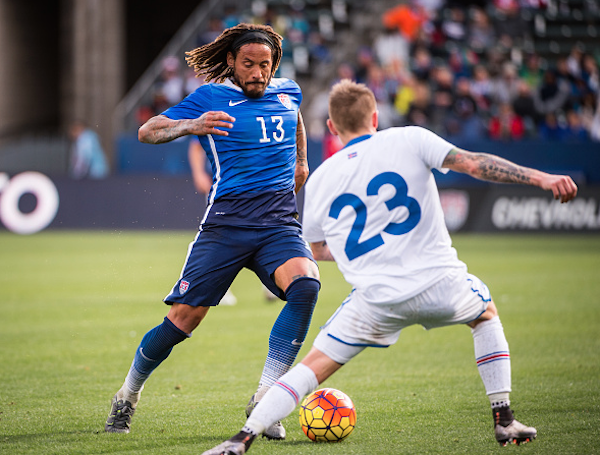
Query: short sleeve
point(192, 106)
point(431, 148)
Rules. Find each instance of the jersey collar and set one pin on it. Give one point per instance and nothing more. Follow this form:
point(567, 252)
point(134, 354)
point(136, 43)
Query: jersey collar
point(356, 140)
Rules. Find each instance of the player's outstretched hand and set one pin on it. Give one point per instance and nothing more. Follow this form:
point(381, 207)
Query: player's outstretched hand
point(562, 186)
point(209, 122)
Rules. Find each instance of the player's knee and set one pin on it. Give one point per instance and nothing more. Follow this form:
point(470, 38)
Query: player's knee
point(490, 313)
point(303, 290)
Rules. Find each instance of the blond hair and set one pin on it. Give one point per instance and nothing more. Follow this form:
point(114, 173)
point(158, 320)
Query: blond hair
point(351, 105)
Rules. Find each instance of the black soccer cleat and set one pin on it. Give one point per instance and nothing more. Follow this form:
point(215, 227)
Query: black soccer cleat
point(236, 445)
point(119, 418)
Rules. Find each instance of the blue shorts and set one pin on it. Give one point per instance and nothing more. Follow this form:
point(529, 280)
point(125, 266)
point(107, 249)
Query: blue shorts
point(218, 253)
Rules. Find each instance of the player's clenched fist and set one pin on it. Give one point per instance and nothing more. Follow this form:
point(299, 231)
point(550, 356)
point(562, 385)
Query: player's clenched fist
point(562, 186)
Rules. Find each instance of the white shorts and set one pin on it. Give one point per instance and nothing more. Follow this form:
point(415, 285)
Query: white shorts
point(458, 298)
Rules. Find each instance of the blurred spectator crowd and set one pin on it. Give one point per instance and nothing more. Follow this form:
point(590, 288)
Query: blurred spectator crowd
point(466, 70)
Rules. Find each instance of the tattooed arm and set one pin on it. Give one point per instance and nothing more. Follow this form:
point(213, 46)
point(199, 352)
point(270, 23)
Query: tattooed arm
point(302, 171)
point(484, 166)
point(320, 251)
point(160, 129)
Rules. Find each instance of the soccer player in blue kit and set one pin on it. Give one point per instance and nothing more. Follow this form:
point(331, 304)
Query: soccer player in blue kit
point(250, 125)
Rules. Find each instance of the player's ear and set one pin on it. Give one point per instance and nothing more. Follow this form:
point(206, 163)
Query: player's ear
point(332, 128)
point(375, 119)
point(230, 59)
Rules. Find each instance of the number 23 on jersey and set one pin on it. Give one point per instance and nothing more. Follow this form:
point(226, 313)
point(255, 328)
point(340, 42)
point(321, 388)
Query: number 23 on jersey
point(354, 247)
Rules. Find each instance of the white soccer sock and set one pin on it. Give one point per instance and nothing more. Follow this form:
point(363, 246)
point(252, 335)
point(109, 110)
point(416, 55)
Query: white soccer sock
point(282, 398)
point(493, 359)
point(126, 394)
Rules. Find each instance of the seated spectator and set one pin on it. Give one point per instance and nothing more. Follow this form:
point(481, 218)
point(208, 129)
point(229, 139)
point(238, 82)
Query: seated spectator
point(480, 31)
point(575, 131)
point(390, 47)
point(587, 111)
point(421, 64)
point(405, 94)
point(552, 95)
point(384, 95)
point(532, 72)
point(574, 61)
point(318, 50)
point(482, 87)
point(442, 98)
point(465, 123)
point(506, 86)
point(171, 84)
point(407, 19)
point(506, 125)
point(551, 129)
point(420, 110)
point(364, 60)
point(461, 62)
point(215, 27)
point(508, 22)
point(590, 73)
point(454, 25)
point(524, 107)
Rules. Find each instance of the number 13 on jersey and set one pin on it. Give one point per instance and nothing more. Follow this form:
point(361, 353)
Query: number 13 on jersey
point(354, 247)
point(279, 132)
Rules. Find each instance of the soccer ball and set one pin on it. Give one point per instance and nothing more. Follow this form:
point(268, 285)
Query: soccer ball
point(327, 415)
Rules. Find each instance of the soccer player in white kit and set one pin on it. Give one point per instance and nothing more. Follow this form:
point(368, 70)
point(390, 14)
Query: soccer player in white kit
point(374, 209)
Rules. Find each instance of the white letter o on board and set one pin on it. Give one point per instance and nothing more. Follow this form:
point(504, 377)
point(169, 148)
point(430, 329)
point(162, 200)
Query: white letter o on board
point(45, 210)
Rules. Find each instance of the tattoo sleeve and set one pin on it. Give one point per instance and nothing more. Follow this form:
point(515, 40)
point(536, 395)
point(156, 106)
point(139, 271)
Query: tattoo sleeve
point(301, 158)
point(161, 129)
point(488, 167)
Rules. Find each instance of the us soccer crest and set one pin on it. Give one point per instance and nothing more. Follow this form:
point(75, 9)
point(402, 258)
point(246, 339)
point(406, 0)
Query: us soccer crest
point(184, 286)
point(285, 100)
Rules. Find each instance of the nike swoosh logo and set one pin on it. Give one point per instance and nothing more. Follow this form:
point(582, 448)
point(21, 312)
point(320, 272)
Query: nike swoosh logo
point(231, 103)
point(295, 342)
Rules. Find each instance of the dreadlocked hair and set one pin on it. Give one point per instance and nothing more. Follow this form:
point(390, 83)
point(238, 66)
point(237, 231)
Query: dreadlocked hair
point(211, 59)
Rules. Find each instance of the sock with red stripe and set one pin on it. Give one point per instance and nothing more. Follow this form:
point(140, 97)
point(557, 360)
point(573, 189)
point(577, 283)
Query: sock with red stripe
point(282, 398)
point(493, 360)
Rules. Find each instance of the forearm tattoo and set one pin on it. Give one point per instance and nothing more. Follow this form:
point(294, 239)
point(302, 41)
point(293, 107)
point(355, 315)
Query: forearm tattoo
point(164, 130)
point(301, 158)
point(490, 167)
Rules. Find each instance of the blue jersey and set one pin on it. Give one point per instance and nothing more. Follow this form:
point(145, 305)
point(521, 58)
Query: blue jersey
point(254, 166)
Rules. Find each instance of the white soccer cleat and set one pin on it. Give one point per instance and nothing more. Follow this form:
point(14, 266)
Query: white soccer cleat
point(275, 431)
point(514, 433)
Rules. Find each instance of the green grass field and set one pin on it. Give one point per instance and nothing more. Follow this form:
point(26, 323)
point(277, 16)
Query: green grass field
point(74, 306)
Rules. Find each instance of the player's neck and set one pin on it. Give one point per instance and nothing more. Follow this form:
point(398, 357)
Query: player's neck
point(347, 137)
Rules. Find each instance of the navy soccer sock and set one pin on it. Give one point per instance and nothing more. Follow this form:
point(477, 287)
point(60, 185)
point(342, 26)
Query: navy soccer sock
point(290, 328)
point(154, 348)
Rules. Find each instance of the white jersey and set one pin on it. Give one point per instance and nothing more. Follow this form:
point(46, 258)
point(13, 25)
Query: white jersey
point(376, 204)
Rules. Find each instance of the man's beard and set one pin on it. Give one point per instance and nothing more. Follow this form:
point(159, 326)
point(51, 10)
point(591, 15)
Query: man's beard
point(251, 90)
